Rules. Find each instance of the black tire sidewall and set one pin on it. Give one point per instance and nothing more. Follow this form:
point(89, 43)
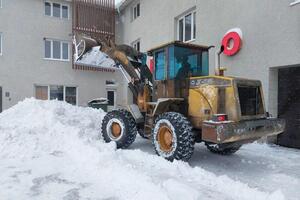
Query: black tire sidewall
point(184, 139)
point(129, 130)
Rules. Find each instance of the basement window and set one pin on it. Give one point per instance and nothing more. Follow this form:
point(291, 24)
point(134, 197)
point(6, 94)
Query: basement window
point(160, 59)
point(57, 92)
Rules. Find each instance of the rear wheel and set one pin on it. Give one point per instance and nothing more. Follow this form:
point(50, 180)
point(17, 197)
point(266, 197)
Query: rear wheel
point(119, 126)
point(172, 137)
point(223, 149)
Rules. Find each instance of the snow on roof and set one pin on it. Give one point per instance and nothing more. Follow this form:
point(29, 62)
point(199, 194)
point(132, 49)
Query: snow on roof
point(96, 58)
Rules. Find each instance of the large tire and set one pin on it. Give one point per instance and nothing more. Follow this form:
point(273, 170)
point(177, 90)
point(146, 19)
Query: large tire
point(119, 126)
point(172, 137)
point(223, 149)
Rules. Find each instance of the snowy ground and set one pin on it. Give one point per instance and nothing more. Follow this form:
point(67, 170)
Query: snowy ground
point(52, 150)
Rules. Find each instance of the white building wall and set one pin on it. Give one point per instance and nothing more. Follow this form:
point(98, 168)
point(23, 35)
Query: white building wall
point(22, 65)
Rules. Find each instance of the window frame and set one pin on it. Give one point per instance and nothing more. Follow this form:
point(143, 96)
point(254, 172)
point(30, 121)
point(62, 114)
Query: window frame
point(64, 91)
point(193, 26)
point(136, 44)
point(62, 42)
point(61, 10)
point(136, 11)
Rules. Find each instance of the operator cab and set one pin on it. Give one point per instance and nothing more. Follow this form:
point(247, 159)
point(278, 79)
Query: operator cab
point(174, 64)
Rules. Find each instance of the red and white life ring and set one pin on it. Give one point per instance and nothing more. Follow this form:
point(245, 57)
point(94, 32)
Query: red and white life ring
point(232, 42)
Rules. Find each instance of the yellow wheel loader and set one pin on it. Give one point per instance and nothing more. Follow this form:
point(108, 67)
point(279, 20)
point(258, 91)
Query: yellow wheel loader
point(182, 105)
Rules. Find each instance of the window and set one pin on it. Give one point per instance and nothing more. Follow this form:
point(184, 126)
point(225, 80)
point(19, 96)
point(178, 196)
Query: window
point(61, 93)
point(41, 92)
point(1, 43)
point(56, 10)
point(136, 12)
point(56, 50)
point(65, 12)
point(185, 62)
point(57, 92)
point(47, 8)
point(110, 83)
point(186, 27)
point(71, 95)
point(111, 98)
point(160, 65)
point(136, 45)
point(0, 3)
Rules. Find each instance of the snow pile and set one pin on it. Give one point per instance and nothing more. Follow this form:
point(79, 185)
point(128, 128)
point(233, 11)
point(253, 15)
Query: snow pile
point(52, 150)
point(96, 57)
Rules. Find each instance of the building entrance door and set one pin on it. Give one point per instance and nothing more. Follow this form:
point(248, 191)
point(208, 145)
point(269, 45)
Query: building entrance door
point(289, 105)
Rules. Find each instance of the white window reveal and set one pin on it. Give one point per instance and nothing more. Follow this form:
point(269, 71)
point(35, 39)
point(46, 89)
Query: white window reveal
point(136, 11)
point(57, 92)
point(137, 45)
point(1, 43)
point(186, 27)
point(56, 10)
point(56, 50)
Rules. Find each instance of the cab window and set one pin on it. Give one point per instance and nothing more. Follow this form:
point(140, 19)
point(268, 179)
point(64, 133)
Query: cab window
point(160, 59)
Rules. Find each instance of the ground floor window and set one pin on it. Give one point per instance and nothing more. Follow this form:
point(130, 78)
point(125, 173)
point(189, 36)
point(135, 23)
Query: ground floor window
point(61, 93)
point(57, 92)
point(41, 92)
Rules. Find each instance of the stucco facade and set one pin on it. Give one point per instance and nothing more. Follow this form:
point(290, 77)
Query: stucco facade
point(24, 26)
point(271, 33)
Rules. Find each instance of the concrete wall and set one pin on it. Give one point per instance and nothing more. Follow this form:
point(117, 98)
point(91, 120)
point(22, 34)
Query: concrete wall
point(22, 65)
point(271, 30)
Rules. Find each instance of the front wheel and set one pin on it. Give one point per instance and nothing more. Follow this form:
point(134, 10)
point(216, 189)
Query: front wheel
point(119, 126)
point(223, 149)
point(172, 137)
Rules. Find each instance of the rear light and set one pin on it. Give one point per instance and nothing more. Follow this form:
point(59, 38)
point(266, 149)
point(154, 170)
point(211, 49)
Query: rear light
point(220, 118)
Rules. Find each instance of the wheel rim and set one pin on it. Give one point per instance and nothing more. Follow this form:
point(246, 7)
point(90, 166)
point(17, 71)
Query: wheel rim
point(165, 138)
point(115, 129)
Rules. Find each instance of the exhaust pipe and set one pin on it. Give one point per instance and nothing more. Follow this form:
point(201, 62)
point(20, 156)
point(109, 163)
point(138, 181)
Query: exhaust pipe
point(218, 71)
